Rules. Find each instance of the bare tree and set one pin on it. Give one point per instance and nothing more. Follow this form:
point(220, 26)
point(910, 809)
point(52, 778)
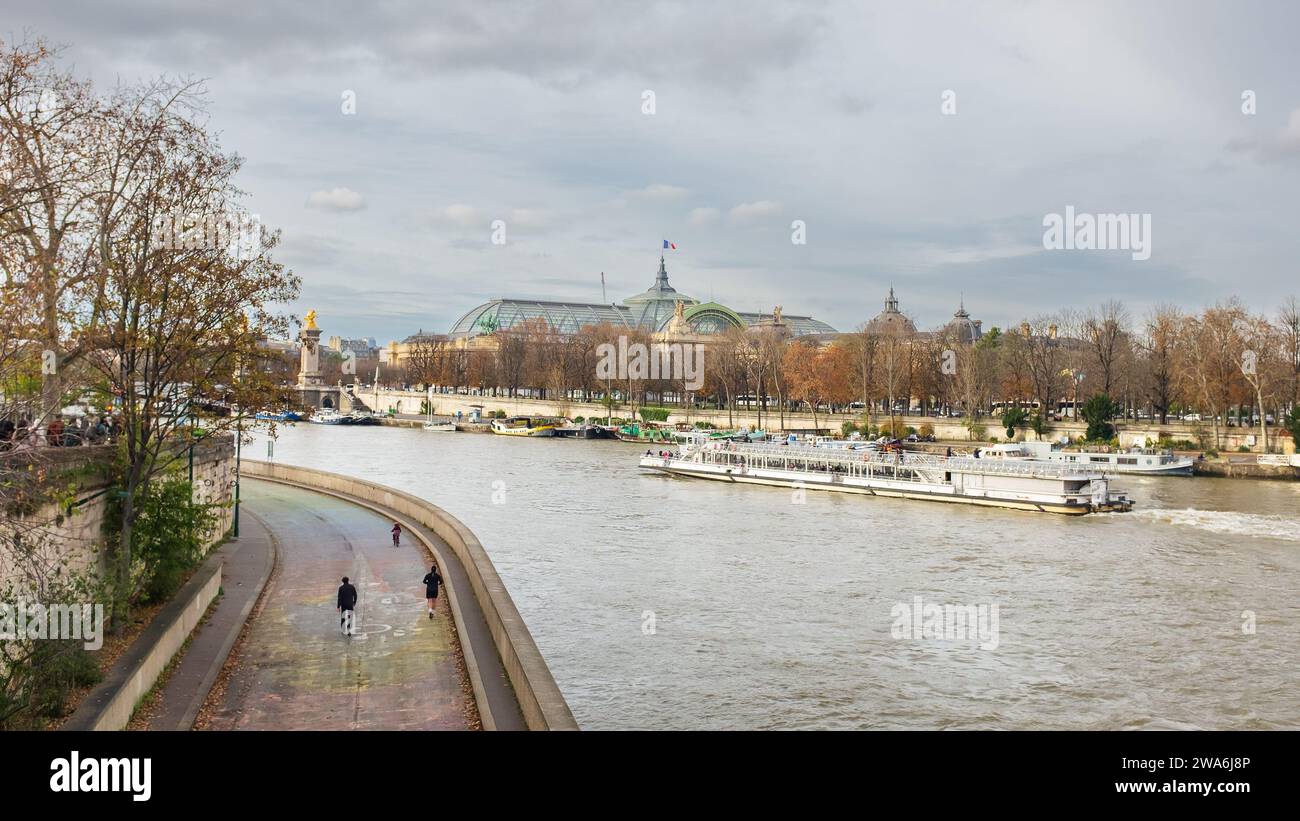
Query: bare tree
point(54, 141)
point(1288, 325)
point(179, 325)
point(1159, 346)
point(1260, 364)
point(1211, 347)
point(864, 347)
point(1104, 331)
point(1038, 355)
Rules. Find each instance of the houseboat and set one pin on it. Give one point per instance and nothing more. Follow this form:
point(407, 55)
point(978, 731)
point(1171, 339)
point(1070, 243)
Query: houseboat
point(524, 426)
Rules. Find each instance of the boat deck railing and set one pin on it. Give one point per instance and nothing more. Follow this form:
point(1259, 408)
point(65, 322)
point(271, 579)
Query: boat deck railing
point(913, 466)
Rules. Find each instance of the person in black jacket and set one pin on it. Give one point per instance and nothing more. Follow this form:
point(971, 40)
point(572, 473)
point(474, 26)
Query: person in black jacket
point(347, 604)
point(431, 582)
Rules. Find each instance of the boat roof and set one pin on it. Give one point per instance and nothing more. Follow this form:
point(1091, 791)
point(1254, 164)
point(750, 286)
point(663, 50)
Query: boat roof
point(955, 464)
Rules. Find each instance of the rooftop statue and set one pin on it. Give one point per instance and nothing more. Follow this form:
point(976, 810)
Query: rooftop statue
point(309, 321)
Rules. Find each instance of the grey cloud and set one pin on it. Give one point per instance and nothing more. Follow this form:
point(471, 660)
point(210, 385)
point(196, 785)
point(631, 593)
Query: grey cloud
point(562, 44)
point(1277, 146)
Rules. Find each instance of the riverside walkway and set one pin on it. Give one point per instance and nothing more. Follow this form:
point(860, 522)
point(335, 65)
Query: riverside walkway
point(294, 670)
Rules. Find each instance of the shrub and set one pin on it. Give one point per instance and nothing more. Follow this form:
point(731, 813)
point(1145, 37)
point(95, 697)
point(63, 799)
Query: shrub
point(1038, 425)
point(654, 414)
point(578, 420)
point(1097, 412)
point(1292, 423)
point(894, 430)
point(926, 429)
point(38, 675)
point(848, 428)
point(1012, 418)
point(38, 687)
point(170, 535)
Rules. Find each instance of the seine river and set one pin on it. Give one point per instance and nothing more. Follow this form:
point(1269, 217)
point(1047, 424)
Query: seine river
point(664, 603)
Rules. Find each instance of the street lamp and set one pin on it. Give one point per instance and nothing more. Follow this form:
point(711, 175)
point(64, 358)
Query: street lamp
point(239, 441)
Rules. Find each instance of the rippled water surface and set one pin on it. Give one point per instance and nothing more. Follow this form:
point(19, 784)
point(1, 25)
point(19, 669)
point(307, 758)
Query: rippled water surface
point(768, 614)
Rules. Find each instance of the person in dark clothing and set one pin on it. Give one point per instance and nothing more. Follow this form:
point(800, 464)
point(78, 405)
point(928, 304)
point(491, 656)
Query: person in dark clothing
point(431, 582)
point(54, 432)
point(347, 604)
point(397, 534)
point(7, 429)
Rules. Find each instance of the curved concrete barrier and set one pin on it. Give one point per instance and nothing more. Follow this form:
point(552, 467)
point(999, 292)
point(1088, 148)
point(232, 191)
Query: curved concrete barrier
point(112, 703)
point(540, 700)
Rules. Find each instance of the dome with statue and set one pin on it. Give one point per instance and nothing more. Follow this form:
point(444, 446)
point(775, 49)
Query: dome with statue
point(962, 328)
point(891, 321)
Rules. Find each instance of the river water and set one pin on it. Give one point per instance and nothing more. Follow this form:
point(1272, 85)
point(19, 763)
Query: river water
point(664, 603)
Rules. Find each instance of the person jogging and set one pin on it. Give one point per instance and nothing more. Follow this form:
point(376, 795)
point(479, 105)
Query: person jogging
point(431, 582)
point(347, 604)
point(397, 534)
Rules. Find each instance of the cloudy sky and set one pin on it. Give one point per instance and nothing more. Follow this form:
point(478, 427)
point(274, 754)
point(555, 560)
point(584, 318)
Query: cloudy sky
point(764, 113)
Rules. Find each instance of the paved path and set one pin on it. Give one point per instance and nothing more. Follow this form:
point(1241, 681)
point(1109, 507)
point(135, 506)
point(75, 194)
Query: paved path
point(248, 562)
point(296, 670)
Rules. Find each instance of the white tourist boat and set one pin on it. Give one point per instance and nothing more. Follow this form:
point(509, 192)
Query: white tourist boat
point(326, 416)
point(1021, 485)
point(1145, 461)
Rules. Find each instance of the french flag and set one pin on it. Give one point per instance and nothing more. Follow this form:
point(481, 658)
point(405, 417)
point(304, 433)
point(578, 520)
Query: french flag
point(668, 245)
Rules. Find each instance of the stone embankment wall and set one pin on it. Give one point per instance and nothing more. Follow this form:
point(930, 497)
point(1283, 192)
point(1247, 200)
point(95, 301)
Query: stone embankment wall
point(952, 429)
point(75, 533)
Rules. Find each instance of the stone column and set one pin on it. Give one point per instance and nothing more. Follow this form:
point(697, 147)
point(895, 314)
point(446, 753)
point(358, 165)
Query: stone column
point(309, 370)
